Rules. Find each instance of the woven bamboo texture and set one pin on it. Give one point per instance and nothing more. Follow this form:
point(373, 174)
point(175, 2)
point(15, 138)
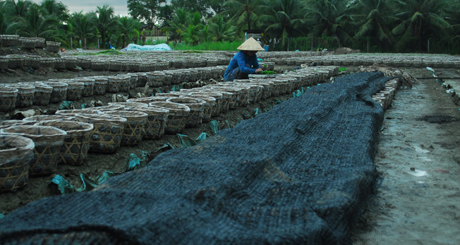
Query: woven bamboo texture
point(177, 118)
point(134, 129)
point(8, 98)
point(107, 132)
point(48, 142)
point(59, 91)
point(14, 164)
point(75, 149)
point(195, 118)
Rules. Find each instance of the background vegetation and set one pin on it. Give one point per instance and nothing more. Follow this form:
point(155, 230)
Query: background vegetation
point(369, 25)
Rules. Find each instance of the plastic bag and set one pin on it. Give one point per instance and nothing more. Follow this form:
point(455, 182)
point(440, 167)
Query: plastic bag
point(256, 111)
point(62, 184)
point(186, 141)
point(214, 125)
point(105, 176)
point(2, 216)
point(66, 105)
point(87, 185)
point(134, 162)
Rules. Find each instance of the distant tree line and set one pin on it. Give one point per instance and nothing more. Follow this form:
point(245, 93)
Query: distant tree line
point(377, 25)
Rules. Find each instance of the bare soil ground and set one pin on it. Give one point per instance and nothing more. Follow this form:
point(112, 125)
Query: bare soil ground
point(418, 199)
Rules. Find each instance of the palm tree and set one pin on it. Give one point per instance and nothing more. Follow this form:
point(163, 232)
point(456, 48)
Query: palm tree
point(244, 12)
point(51, 7)
point(105, 21)
point(82, 25)
point(126, 27)
point(284, 19)
point(177, 26)
point(34, 24)
point(421, 19)
point(329, 17)
point(221, 30)
point(16, 9)
point(374, 19)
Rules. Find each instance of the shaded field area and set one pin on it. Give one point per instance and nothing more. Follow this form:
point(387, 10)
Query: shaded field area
point(300, 173)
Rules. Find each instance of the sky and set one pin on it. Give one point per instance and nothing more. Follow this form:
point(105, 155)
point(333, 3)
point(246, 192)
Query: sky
point(119, 6)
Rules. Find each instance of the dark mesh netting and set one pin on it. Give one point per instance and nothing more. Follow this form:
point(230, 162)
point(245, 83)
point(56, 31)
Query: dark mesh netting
point(301, 173)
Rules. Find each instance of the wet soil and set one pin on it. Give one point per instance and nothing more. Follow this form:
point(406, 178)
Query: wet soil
point(418, 199)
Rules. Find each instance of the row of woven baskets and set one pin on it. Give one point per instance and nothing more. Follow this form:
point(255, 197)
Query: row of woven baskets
point(35, 146)
point(368, 60)
point(25, 94)
point(385, 97)
point(29, 42)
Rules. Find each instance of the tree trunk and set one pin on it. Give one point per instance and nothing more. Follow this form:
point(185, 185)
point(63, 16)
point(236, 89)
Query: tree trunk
point(123, 42)
point(249, 21)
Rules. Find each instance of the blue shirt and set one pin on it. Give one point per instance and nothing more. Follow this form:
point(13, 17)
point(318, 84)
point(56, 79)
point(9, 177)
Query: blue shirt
point(247, 64)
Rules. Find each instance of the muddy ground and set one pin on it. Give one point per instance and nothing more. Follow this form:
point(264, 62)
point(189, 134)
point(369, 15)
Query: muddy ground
point(418, 200)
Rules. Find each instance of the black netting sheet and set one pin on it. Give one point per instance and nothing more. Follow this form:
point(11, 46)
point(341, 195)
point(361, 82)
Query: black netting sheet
point(300, 173)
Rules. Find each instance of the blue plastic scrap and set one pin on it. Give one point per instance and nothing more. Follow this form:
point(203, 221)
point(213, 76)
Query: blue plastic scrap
point(63, 185)
point(186, 141)
point(256, 111)
point(134, 162)
point(214, 125)
point(87, 184)
point(2, 216)
point(65, 105)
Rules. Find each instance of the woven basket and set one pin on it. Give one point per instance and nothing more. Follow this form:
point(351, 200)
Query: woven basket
point(141, 79)
point(42, 95)
point(106, 136)
point(53, 46)
point(88, 86)
point(40, 42)
point(114, 84)
point(210, 105)
point(70, 63)
point(59, 64)
point(40, 118)
point(74, 90)
point(127, 104)
point(48, 142)
point(98, 65)
point(255, 90)
point(59, 91)
point(125, 83)
point(266, 92)
point(25, 95)
point(219, 97)
point(34, 62)
point(133, 80)
point(133, 66)
point(4, 62)
point(195, 118)
point(233, 96)
point(100, 85)
point(177, 118)
point(168, 79)
point(9, 123)
point(147, 100)
point(134, 129)
point(115, 65)
point(8, 97)
point(156, 120)
point(10, 40)
point(84, 63)
point(16, 152)
point(73, 112)
point(75, 149)
point(15, 62)
point(156, 78)
point(28, 42)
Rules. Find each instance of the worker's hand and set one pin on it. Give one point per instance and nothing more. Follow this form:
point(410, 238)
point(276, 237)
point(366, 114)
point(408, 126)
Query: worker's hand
point(259, 70)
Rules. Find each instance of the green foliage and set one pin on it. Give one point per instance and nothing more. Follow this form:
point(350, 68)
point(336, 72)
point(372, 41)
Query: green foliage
point(145, 10)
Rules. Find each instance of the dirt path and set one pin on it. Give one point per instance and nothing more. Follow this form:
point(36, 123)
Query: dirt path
point(418, 201)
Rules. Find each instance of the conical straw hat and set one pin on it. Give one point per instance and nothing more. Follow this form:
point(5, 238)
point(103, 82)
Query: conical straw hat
point(250, 45)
